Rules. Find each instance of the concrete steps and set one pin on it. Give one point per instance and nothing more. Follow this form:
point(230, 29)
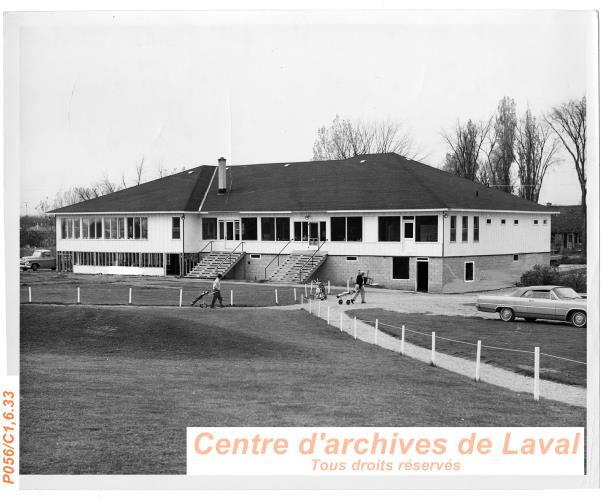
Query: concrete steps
point(298, 267)
point(214, 263)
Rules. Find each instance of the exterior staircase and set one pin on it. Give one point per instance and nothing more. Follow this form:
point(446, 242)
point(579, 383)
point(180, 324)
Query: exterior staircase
point(213, 263)
point(298, 267)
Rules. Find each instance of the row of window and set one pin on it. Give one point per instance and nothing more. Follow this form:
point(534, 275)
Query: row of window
point(108, 228)
point(401, 269)
point(464, 228)
point(123, 259)
point(420, 228)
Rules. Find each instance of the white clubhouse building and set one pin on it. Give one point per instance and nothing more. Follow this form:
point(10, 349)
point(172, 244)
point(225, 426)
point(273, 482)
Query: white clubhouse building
point(408, 225)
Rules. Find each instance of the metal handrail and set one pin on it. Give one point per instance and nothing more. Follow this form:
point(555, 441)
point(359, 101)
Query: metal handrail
point(230, 255)
point(209, 244)
point(277, 256)
point(310, 258)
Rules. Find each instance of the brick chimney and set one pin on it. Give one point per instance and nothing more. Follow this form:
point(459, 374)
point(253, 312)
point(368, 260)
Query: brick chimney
point(221, 175)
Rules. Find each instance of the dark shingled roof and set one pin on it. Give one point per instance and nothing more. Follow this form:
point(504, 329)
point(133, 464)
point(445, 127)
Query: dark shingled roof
point(367, 182)
point(569, 220)
point(174, 193)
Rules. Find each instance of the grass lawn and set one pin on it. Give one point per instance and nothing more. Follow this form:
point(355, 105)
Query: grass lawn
point(58, 288)
point(112, 390)
point(552, 338)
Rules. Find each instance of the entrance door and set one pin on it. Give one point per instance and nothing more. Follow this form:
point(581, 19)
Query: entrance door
point(173, 264)
point(313, 233)
point(422, 276)
point(229, 230)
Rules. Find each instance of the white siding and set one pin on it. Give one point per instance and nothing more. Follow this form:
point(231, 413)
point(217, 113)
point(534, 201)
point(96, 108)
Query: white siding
point(128, 271)
point(497, 238)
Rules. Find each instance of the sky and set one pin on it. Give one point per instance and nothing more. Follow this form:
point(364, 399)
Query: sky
point(99, 92)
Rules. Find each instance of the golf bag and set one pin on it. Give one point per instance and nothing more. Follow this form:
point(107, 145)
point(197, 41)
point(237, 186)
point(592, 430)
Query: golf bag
point(320, 290)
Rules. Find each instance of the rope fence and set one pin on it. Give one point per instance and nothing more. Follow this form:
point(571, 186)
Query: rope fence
point(536, 354)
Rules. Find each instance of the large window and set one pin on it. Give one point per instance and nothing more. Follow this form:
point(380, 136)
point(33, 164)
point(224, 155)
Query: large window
point(275, 228)
point(175, 227)
point(453, 228)
point(464, 228)
point(250, 228)
point(209, 228)
point(389, 228)
point(123, 259)
point(346, 228)
point(476, 228)
point(426, 228)
point(401, 268)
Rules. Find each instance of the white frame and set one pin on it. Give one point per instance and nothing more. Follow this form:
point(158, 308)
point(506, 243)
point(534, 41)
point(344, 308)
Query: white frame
point(473, 263)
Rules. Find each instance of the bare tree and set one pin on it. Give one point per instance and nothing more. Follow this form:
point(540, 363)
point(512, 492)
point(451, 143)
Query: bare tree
point(466, 146)
point(106, 186)
point(535, 152)
point(500, 154)
point(568, 121)
point(345, 139)
point(139, 169)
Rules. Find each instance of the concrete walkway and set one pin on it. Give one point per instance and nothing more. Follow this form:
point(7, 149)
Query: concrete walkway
point(331, 312)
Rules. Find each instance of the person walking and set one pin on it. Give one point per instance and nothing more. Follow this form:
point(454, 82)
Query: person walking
point(359, 283)
point(216, 291)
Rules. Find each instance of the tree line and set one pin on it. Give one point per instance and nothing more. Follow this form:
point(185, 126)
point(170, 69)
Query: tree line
point(506, 151)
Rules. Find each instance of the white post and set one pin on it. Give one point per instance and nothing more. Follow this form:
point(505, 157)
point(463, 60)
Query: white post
point(276, 297)
point(130, 295)
point(180, 297)
point(311, 287)
point(295, 296)
point(328, 314)
point(478, 353)
point(305, 289)
point(347, 284)
point(310, 307)
point(231, 297)
point(29, 292)
point(536, 380)
point(402, 345)
point(301, 299)
point(319, 308)
point(328, 286)
point(78, 295)
point(376, 332)
point(433, 348)
point(341, 321)
point(354, 327)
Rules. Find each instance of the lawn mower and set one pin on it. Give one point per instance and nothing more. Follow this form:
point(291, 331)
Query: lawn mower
point(344, 294)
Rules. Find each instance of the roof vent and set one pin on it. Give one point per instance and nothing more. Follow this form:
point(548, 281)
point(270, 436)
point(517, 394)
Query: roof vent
point(362, 161)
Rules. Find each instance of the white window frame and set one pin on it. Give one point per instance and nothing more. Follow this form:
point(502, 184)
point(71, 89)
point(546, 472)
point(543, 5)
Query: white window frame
point(473, 263)
point(351, 258)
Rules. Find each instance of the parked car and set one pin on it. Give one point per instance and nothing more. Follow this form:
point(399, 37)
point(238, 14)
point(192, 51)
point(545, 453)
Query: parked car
point(40, 259)
point(538, 302)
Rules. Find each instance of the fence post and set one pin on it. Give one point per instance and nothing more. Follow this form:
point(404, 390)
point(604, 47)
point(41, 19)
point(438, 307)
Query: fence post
point(341, 321)
point(231, 297)
point(433, 348)
point(305, 289)
point(478, 352)
point(29, 292)
point(328, 314)
point(402, 344)
point(376, 332)
point(311, 287)
point(328, 286)
point(295, 297)
point(536, 379)
point(347, 284)
point(301, 299)
point(78, 295)
point(319, 308)
point(180, 297)
point(129, 295)
point(354, 327)
point(276, 297)
point(310, 306)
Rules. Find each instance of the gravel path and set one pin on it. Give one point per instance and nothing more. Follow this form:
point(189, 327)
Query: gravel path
point(439, 304)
